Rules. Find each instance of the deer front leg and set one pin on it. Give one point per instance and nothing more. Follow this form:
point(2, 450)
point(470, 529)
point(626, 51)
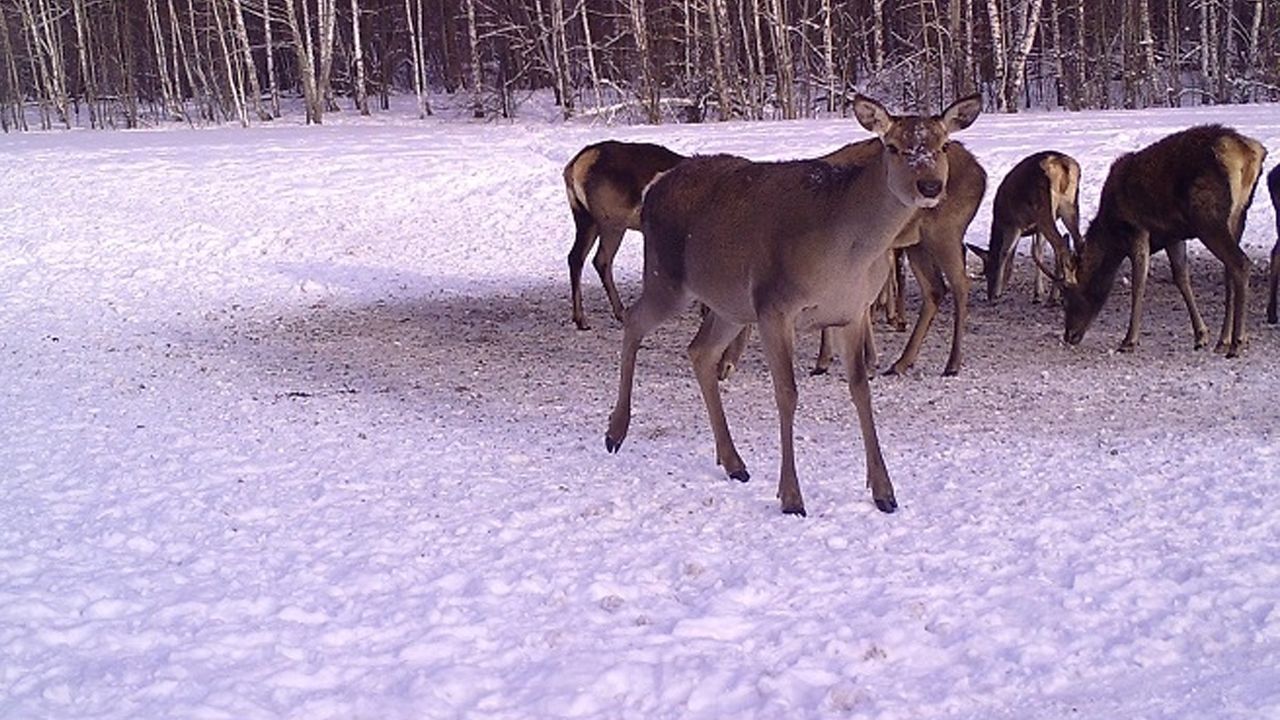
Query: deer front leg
point(860, 391)
point(656, 304)
point(777, 332)
point(1177, 253)
point(1140, 264)
point(932, 290)
point(706, 352)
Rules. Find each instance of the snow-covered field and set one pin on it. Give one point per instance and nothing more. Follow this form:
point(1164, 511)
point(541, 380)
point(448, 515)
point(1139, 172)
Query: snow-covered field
point(295, 425)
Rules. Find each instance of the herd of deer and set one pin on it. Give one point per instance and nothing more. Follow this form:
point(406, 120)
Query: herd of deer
point(808, 244)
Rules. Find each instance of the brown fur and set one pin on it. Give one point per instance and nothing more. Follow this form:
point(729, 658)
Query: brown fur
point(605, 183)
point(1273, 273)
point(1195, 183)
point(1040, 190)
point(783, 245)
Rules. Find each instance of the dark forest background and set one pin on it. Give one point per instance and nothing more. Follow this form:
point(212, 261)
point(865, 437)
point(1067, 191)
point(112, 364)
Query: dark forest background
point(127, 63)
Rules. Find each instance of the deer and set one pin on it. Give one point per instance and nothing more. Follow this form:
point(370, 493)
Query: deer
point(605, 182)
point(1041, 189)
point(1273, 272)
point(1196, 183)
point(787, 246)
point(934, 245)
point(933, 242)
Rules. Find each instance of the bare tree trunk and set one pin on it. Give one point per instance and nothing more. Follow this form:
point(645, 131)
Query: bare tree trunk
point(829, 59)
point(648, 90)
point(306, 68)
point(167, 81)
point(273, 85)
point(784, 71)
point(1017, 78)
point(477, 73)
point(249, 68)
point(13, 114)
point(589, 46)
point(362, 95)
point(235, 83)
point(88, 70)
point(716, 16)
point(994, 14)
point(326, 31)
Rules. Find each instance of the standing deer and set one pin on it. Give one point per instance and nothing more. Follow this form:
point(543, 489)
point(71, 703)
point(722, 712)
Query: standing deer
point(934, 244)
point(1273, 274)
point(1040, 190)
point(1195, 183)
point(784, 245)
point(605, 183)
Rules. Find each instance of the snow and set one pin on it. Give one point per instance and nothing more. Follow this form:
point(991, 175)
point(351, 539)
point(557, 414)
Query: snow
point(296, 425)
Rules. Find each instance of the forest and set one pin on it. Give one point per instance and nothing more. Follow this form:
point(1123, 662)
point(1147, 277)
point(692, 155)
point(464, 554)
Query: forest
point(132, 63)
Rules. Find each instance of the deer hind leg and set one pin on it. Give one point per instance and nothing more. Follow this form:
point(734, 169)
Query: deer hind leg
point(1177, 253)
point(585, 232)
point(854, 341)
point(1233, 337)
point(777, 332)
point(706, 352)
point(610, 241)
point(932, 290)
point(732, 354)
point(1140, 263)
point(657, 303)
point(1273, 282)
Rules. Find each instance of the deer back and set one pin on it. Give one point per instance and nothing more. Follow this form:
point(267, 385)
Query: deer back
point(607, 179)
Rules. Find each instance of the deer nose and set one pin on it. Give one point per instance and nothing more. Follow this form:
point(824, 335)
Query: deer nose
point(929, 188)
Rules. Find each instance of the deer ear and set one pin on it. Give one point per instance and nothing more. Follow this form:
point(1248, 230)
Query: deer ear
point(961, 113)
point(872, 115)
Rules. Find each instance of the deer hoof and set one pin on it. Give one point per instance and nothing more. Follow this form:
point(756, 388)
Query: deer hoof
point(886, 505)
point(818, 370)
point(740, 475)
point(612, 445)
point(798, 510)
point(1127, 347)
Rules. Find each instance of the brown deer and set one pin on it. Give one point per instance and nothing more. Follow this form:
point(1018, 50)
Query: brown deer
point(934, 244)
point(783, 245)
point(1040, 190)
point(605, 182)
point(1273, 274)
point(1195, 183)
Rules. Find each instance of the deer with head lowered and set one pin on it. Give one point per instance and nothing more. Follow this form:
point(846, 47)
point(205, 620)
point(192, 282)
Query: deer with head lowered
point(1273, 272)
point(784, 245)
point(1195, 183)
point(1040, 190)
point(605, 182)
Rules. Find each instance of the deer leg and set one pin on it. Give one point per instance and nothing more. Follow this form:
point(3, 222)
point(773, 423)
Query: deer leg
point(1140, 264)
point(610, 241)
point(732, 354)
point(777, 332)
point(1227, 249)
point(657, 303)
point(950, 258)
point(896, 284)
point(826, 353)
point(854, 337)
point(1273, 283)
point(1039, 290)
point(705, 352)
point(1177, 253)
point(998, 279)
point(585, 234)
point(931, 292)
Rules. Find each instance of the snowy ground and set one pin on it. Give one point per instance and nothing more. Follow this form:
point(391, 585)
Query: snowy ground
point(296, 426)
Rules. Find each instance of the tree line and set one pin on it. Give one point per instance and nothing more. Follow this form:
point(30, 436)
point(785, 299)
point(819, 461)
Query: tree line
point(125, 63)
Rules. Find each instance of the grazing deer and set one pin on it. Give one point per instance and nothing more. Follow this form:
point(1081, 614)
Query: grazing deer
point(934, 244)
point(1195, 183)
point(1040, 190)
point(605, 183)
point(784, 245)
point(1273, 274)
